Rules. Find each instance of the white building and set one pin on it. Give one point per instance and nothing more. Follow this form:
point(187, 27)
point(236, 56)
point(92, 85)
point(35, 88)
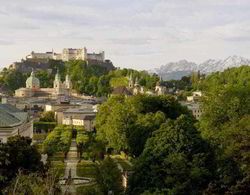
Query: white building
point(83, 116)
point(33, 89)
point(69, 54)
point(14, 122)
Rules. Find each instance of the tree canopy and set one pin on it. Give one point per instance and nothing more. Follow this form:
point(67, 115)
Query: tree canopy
point(175, 160)
point(18, 154)
point(225, 124)
point(126, 123)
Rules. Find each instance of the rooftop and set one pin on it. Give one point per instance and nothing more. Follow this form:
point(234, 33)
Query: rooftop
point(11, 116)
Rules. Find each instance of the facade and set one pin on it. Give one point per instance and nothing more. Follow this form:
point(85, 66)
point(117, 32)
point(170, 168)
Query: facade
point(195, 108)
point(14, 122)
point(33, 89)
point(83, 116)
point(69, 54)
point(192, 103)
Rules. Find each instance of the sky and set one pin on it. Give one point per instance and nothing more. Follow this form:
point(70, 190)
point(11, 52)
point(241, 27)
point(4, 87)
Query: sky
point(140, 34)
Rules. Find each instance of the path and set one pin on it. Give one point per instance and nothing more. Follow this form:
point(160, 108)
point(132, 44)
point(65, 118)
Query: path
point(71, 160)
point(71, 164)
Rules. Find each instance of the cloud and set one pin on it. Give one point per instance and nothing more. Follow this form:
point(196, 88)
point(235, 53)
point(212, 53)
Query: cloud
point(6, 42)
point(130, 41)
point(132, 31)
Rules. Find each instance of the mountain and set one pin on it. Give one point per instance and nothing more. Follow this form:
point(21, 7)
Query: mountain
point(176, 70)
point(220, 65)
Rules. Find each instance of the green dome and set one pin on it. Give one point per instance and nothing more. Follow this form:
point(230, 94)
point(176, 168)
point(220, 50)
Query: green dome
point(32, 81)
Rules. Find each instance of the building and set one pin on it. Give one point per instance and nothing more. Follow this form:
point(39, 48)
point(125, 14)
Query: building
point(134, 88)
point(14, 122)
point(33, 89)
point(195, 108)
point(83, 116)
point(69, 54)
point(196, 95)
point(160, 89)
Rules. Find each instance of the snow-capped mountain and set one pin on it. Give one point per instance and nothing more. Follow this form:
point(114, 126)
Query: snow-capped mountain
point(220, 65)
point(176, 70)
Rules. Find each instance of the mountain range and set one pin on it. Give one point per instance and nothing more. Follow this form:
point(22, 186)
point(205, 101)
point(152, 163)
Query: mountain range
point(176, 70)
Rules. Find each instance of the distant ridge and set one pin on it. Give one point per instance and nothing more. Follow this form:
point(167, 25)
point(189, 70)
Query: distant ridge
point(176, 70)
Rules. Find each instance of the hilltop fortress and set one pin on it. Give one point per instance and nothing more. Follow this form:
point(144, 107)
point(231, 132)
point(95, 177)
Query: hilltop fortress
point(69, 54)
point(42, 61)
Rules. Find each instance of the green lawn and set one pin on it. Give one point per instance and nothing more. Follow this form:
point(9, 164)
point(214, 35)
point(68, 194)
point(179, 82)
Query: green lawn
point(58, 167)
point(86, 169)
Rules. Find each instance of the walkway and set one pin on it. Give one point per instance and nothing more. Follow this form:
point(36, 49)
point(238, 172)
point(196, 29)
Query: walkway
point(71, 160)
point(71, 164)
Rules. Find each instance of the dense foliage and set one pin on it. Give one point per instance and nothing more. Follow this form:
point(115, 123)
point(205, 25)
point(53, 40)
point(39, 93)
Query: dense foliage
point(48, 116)
point(58, 140)
point(175, 160)
point(126, 123)
point(225, 124)
point(82, 140)
point(11, 80)
point(108, 177)
point(18, 154)
point(34, 183)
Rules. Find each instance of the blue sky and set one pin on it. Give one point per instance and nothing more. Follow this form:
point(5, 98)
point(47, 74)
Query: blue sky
point(141, 34)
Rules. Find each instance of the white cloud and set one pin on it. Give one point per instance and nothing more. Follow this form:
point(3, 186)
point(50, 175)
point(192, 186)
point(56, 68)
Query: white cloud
point(132, 32)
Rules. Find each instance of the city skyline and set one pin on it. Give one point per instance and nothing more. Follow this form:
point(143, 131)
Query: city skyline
point(135, 34)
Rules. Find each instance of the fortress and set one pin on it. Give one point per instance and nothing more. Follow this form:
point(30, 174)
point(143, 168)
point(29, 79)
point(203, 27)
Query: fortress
point(69, 54)
point(42, 61)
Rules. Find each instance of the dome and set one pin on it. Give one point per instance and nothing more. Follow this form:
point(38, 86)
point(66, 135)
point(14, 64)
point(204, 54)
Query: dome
point(32, 82)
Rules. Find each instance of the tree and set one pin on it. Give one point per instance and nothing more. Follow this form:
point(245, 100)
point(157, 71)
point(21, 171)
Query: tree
point(81, 141)
point(108, 177)
point(13, 79)
point(175, 160)
point(48, 116)
point(18, 153)
point(225, 124)
point(126, 123)
point(34, 183)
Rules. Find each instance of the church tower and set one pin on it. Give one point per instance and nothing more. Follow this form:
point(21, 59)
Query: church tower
point(58, 83)
point(160, 89)
point(131, 82)
point(67, 82)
